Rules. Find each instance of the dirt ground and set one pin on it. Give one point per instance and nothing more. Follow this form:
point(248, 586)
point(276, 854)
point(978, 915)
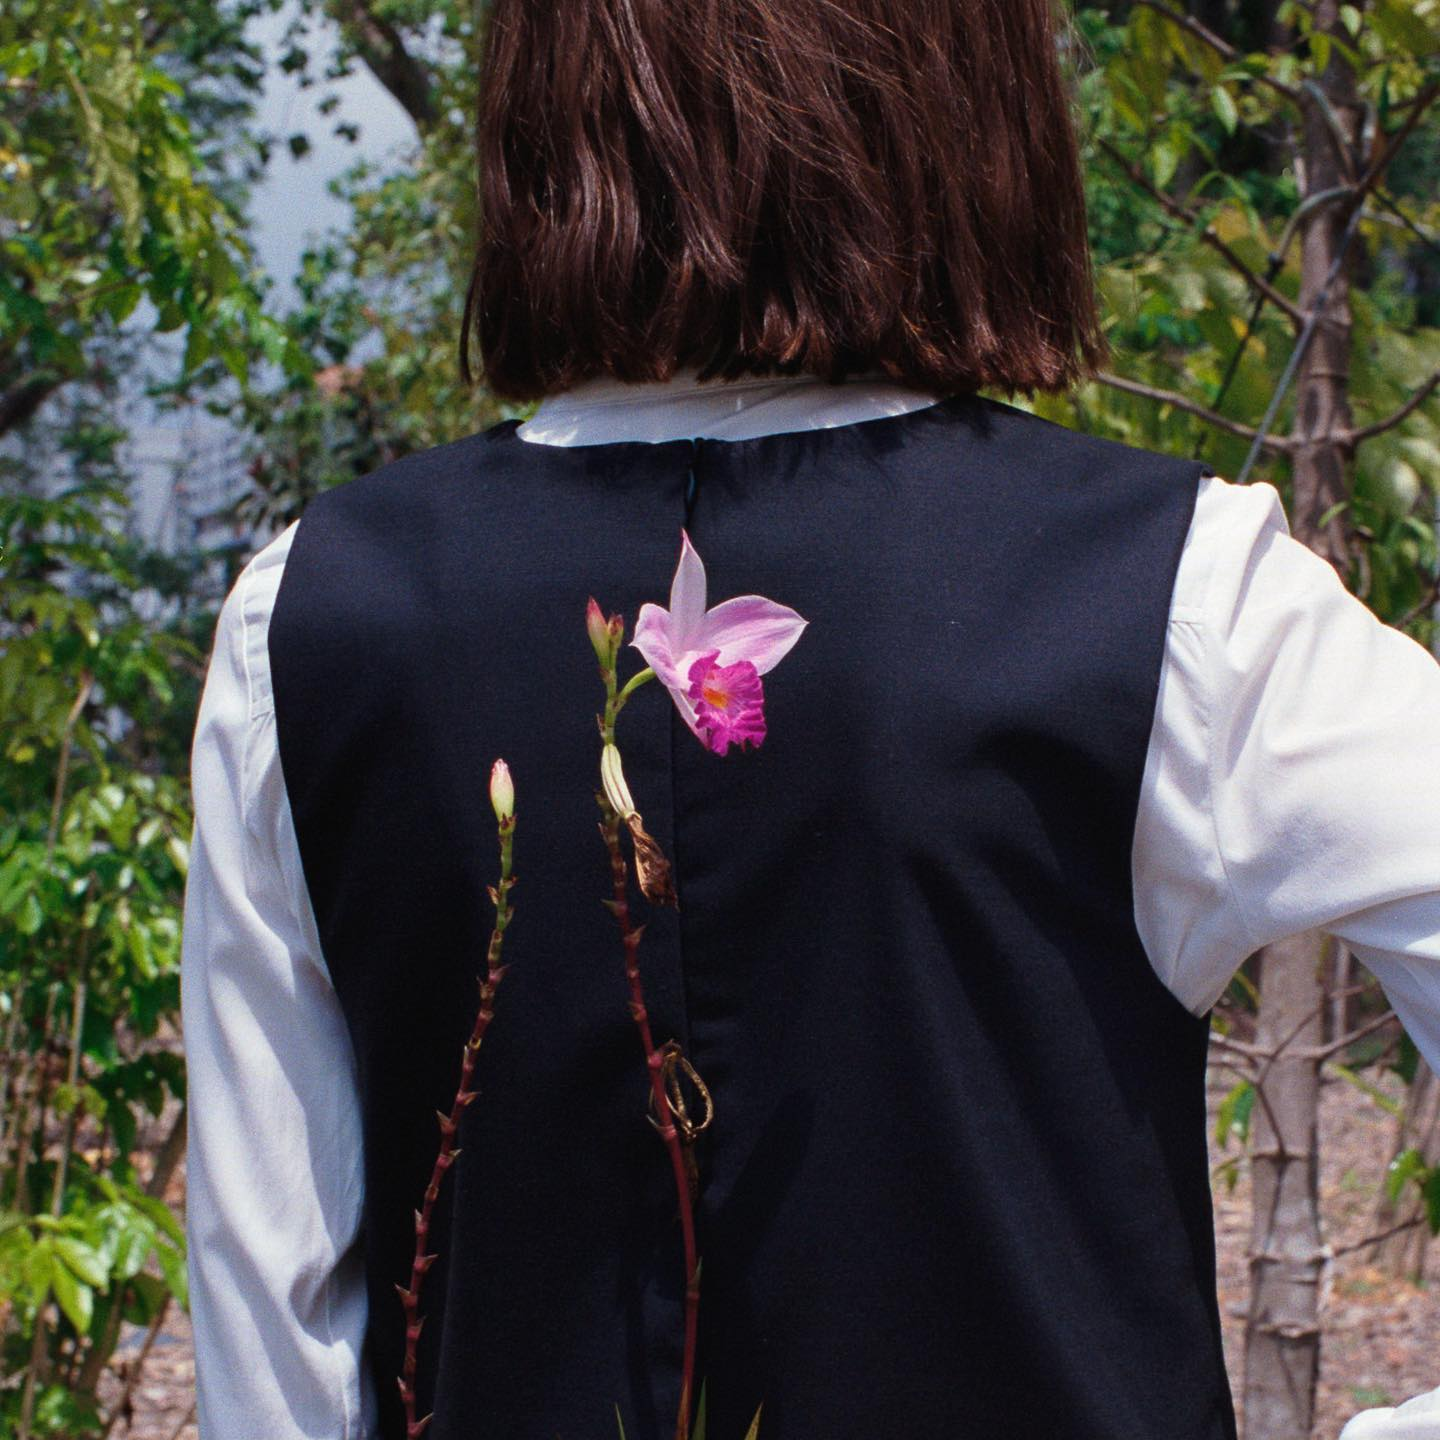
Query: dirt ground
point(1382, 1337)
point(1381, 1341)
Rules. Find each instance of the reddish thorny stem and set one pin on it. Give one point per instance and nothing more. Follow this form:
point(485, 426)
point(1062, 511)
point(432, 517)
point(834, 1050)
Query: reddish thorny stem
point(654, 1059)
point(606, 636)
point(449, 1126)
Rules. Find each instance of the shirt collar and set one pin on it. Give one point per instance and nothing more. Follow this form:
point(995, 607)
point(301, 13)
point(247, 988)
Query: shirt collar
point(605, 408)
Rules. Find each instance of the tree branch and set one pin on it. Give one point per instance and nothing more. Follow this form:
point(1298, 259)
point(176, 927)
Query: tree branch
point(1223, 48)
point(1427, 602)
point(21, 401)
point(1381, 163)
point(1183, 212)
point(1369, 432)
point(1376, 1239)
point(1191, 407)
point(381, 46)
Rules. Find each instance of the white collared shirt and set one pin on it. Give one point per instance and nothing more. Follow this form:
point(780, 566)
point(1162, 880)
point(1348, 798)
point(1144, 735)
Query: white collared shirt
point(1292, 782)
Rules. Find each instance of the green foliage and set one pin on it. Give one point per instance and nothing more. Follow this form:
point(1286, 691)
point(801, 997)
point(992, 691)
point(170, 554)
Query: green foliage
point(94, 842)
point(380, 305)
point(108, 201)
point(1408, 1167)
point(122, 217)
point(1192, 144)
point(1232, 1120)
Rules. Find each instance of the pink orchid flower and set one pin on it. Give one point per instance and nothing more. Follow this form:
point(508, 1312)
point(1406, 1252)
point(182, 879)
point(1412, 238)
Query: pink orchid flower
point(711, 661)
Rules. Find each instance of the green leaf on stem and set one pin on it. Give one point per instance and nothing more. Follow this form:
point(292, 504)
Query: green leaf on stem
point(76, 1298)
point(1401, 1168)
point(1431, 1191)
point(84, 1260)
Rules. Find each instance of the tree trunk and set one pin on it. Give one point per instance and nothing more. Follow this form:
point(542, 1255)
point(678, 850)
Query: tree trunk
point(1282, 1337)
point(1321, 460)
point(1282, 1331)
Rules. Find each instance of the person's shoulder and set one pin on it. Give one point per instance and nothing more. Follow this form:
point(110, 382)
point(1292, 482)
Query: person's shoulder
point(1048, 439)
point(403, 479)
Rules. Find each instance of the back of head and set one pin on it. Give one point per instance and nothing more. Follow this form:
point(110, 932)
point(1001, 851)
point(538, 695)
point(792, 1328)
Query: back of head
point(770, 186)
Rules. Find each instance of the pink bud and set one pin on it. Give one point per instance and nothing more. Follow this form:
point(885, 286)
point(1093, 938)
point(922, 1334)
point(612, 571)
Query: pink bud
point(502, 791)
point(599, 632)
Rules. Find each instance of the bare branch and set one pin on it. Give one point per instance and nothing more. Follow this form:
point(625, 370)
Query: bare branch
point(1344, 1042)
point(1192, 407)
point(1369, 432)
point(1381, 163)
point(1237, 1047)
point(1376, 1239)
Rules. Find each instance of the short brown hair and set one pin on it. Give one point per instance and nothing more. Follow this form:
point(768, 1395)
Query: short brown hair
point(771, 186)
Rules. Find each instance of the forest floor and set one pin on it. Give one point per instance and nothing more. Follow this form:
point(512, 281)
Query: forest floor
point(1381, 1341)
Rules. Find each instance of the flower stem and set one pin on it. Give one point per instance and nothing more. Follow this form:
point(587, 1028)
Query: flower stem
point(450, 1124)
point(654, 1058)
point(631, 686)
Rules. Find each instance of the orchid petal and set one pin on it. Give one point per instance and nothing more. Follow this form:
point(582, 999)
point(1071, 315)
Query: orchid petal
point(752, 628)
point(655, 639)
point(686, 706)
point(687, 596)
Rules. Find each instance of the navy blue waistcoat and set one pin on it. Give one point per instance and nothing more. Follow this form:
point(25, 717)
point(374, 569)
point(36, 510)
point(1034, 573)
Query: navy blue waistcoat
point(956, 1184)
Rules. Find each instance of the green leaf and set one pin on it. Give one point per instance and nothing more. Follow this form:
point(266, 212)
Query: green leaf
point(133, 1245)
point(83, 1259)
point(1384, 1101)
point(1400, 23)
point(59, 1411)
point(1233, 1115)
point(144, 1295)
point(1400, 1169)
point(76, 1298)
point(161, 1214)
point(120, 302)
point(1432, 1199)
point(1225, 108)
point(172, 1266)
point(31, 915)
point(1165, 160)
point(754, 1429)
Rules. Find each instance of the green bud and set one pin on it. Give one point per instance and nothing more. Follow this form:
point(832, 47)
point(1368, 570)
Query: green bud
point(502, 791)
point(598, 628)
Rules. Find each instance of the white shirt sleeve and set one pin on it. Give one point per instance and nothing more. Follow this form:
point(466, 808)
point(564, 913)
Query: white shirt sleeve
point(1293, 783)
point(274, 1174)
point(1293, 779)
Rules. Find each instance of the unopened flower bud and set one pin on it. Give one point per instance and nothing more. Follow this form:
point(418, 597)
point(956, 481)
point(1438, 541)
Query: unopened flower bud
point(502, 791)
point(598, 629)
point(612, 777)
